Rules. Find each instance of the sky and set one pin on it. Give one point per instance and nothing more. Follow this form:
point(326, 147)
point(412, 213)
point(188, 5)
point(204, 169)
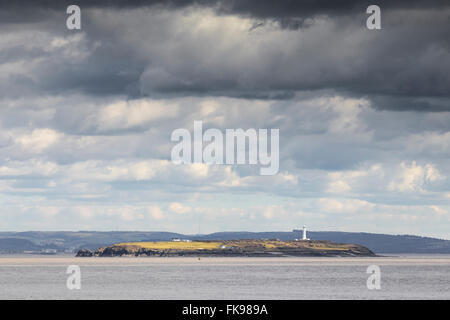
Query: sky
point(363, 115)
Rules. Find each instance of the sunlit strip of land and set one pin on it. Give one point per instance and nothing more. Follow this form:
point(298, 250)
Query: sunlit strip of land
point(164, 245)
point(211, 245)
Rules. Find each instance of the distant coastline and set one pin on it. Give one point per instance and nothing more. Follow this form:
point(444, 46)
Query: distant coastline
point(56, 242)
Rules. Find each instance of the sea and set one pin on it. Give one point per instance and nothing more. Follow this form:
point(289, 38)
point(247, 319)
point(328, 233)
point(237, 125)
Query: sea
point(55, 277)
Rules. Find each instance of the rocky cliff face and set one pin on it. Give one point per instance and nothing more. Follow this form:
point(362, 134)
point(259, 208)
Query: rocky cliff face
point(84, 253)
point(247, 248)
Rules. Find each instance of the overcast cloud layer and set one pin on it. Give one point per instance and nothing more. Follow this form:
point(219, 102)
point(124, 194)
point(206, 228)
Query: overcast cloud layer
point(364, 116)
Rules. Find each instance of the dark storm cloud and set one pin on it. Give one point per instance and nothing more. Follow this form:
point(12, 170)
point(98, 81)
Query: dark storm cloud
point(255, 8)
point(404, 66)
point(290, 14)
point(410, 103)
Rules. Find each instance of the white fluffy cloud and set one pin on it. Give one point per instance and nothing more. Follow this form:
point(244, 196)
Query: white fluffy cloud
point(342, 165)
point(134, 113)
point(179, 208)
point(414, 177)
point(38, 140)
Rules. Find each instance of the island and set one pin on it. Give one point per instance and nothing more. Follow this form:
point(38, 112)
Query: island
point(226, 248)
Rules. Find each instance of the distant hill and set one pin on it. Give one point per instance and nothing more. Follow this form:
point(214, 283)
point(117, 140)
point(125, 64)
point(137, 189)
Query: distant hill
point(65, 241)
point(15, 245)
point(385, 243)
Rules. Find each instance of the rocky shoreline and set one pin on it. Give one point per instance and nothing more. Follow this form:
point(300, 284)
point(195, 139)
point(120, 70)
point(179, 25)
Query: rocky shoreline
point(236, 248)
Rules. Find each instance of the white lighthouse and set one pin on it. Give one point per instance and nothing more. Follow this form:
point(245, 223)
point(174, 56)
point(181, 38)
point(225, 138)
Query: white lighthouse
point(304, 234)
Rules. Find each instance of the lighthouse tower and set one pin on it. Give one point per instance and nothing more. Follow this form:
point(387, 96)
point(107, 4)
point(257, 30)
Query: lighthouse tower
point(304, 234)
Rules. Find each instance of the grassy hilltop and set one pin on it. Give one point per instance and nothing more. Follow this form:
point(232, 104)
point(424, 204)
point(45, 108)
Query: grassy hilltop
point(210, 245)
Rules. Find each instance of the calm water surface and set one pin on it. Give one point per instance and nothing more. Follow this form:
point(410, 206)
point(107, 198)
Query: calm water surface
point(402, 277)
